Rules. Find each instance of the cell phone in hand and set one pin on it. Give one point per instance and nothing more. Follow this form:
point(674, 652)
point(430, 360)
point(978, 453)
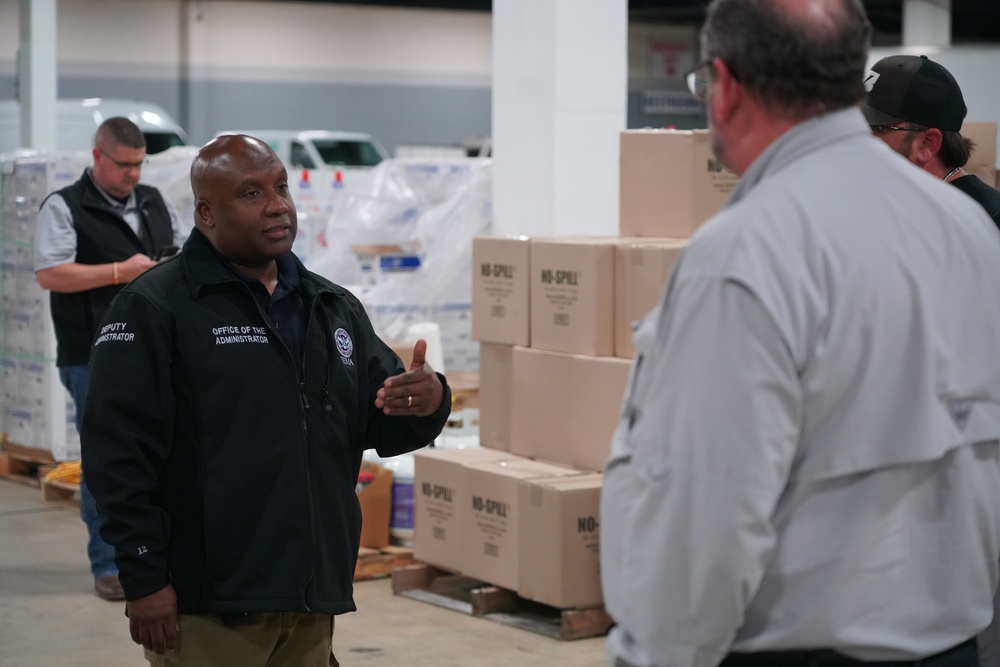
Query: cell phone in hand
point(165, 251)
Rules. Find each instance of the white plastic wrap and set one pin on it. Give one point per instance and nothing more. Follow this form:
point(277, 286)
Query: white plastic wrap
point(170, 172)
point(431, 208)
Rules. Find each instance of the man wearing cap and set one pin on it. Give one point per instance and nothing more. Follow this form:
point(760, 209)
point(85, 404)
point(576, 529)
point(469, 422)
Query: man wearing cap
point(916, 107)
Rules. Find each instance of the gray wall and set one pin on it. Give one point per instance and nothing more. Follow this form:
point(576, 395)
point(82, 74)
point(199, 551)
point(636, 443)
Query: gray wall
point(393, 114)
point(405, 76)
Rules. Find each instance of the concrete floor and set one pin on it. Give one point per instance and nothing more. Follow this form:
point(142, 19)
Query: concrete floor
point(49, 614)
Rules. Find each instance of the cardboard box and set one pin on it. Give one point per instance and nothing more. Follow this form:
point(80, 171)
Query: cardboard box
point(441, 497)
point(641, 273)
point(985, 174)
point(494, 395)
point(464, 402)
point(500, 294)
point(670, 182)
point(491, 533)
point(376, 261)
point(984, 155)
point(403, 350)
point(560, 566)
point(464, 390)
point(572, 295)
point(564, 407)
point(376, 507)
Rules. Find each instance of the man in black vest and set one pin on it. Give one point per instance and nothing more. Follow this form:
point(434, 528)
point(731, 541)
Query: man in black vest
point(91, 239)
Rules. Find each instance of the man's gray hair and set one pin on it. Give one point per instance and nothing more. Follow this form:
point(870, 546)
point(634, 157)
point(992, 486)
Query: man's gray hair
point(792, 59)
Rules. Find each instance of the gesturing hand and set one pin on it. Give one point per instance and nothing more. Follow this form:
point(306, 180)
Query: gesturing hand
point(416, 392)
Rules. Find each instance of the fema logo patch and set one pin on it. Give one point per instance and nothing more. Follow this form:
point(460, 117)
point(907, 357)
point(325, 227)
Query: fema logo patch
point(344, 345)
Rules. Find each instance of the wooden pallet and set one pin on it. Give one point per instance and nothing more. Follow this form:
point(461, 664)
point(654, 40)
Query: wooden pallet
point(24, 453)
point(20, 464)
point(470, 596)
point(379, 563)
point(56, 491)
point(19, 470)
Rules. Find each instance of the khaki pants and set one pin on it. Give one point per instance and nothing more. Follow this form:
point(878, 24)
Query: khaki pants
point(282, 639)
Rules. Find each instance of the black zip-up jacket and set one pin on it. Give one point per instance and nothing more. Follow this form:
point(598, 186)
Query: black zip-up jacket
point(215, 468)
point(102, 237)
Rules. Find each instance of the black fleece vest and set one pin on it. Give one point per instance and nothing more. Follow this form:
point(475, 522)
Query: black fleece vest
point(102, 237)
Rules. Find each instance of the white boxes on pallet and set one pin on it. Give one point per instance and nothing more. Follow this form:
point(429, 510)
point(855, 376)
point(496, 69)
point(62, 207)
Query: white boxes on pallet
point(36, 411)
point(431, 209)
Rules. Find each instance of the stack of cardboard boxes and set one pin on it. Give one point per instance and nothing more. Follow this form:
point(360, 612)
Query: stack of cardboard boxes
point(554, 320)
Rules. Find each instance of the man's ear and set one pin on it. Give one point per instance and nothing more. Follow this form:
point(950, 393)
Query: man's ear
point(926, 146)
point(726, 93)
point(203, 214)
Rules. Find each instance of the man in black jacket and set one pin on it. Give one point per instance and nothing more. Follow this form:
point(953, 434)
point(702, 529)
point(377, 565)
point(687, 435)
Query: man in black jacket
point(91, 238)
point(233, 394)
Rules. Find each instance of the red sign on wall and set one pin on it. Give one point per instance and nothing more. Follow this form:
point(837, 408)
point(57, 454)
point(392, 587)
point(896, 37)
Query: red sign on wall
point(670, 59)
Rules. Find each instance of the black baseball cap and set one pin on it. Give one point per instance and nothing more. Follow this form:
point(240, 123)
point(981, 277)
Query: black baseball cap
point(914, 89)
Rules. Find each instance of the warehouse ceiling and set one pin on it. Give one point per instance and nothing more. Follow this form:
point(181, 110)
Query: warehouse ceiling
point(972, 20)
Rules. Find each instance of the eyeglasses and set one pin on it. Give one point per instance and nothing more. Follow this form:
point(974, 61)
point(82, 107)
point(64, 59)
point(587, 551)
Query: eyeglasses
point(697, 79)
point(885, 129)
point(125, 165)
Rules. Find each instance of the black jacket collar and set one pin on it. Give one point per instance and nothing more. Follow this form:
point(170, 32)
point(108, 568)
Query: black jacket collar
point(204, 266)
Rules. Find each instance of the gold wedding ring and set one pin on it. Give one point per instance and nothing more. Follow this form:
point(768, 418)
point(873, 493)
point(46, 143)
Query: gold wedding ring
point(409, 401)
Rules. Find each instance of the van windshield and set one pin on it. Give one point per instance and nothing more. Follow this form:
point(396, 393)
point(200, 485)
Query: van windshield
point(157, 142)
point(340, 153)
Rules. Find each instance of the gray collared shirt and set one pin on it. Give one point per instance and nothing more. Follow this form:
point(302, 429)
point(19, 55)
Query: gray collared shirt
point(808, 451)
point(55, 236)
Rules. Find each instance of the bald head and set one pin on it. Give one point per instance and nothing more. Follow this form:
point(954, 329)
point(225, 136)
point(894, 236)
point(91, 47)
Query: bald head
point(228, 155)
point(819, 18)
point(242, 202)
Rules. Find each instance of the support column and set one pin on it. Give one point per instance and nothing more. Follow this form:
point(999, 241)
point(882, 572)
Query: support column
point(927, 23)
point(36, 73)
point(560, 87)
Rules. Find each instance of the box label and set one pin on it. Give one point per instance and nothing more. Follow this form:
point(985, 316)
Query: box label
point(489, 506)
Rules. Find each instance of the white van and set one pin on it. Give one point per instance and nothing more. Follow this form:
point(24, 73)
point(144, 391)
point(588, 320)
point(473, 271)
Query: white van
point(78, 119)
point(318, 149)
